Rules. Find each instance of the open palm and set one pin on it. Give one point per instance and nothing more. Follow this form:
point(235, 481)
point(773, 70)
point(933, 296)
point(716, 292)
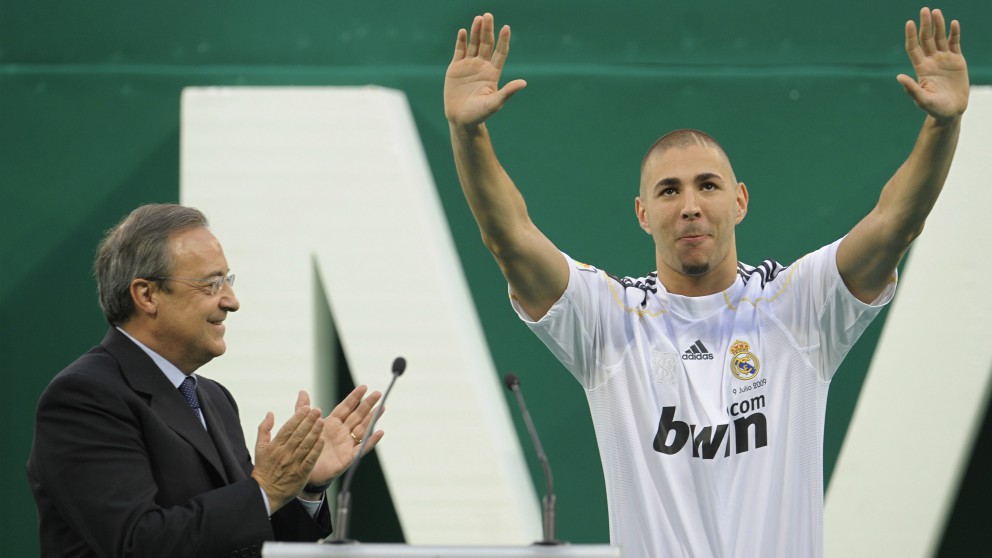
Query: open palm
point(941, 84)
point(471, 84)
point(351, 416)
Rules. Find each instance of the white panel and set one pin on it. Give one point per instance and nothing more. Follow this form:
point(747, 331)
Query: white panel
point(302, 550)
point(336, 177)
point(924, 397)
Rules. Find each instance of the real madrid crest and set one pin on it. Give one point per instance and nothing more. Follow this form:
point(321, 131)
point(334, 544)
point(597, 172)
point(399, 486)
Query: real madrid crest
point(744, 365)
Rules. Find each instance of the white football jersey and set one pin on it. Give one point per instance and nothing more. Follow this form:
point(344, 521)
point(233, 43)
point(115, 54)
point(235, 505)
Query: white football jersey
point(709, 410)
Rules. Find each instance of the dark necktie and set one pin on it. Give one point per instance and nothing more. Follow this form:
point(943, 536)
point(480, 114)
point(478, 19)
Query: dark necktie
point(188, 389)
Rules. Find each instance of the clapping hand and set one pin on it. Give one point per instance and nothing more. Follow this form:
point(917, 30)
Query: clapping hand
point(342, 433)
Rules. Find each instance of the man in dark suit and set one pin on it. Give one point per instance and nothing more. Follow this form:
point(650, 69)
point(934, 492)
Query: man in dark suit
point(135, 455)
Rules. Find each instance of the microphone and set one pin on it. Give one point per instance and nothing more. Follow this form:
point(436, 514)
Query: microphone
point(548, 501)
point(344, 494)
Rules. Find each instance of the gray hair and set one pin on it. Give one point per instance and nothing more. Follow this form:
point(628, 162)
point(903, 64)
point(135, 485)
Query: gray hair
point(136, 247)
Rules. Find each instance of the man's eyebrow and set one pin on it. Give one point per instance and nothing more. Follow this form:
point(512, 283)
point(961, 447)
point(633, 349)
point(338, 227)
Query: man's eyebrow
point(707, 176)
point(671, 181)
point(668, 182)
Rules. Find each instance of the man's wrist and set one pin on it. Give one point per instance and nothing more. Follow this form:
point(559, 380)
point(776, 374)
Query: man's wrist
point(316, 489)
point(311, 497)
point(943, 123)
point(467, 131)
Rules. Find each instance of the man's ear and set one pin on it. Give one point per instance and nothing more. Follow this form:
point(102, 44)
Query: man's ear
point(741, 202)
point(642, 215)
point(144, 293)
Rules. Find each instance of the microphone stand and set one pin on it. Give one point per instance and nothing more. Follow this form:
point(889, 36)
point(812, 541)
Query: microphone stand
point(344, 495)
point(548, 502)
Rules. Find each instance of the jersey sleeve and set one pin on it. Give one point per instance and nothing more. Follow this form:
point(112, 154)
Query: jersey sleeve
point(812, 303)
point(578, 328)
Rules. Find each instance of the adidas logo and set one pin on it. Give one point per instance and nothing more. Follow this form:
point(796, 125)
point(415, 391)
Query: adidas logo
point(697, 352)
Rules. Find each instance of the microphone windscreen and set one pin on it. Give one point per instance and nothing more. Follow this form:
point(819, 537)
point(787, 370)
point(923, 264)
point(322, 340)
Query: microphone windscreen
point(399, 365)
point(511, 380)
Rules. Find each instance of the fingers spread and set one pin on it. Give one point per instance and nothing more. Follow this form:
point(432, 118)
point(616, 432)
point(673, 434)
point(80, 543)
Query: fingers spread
point(473, 37)
point(358, 421)
point(348, 404)
point(912, 88)
point(373, 440)
point(502, 48)
point(511, 89)
point(486, 40)
point(368, 403)
point(366, 420)
point(954, 44)
point(913, 44)
point(940, 36)
point(927, 42)
point(460, 45)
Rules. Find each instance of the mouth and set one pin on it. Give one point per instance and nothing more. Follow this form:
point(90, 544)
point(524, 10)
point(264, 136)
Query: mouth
point(693, 238)
point(693, 231)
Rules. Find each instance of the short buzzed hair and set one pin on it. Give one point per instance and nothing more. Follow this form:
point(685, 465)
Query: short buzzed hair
point(681, 139)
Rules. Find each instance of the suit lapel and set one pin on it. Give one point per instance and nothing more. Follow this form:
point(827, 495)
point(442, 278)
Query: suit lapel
point(145, 377)
point(218, 432)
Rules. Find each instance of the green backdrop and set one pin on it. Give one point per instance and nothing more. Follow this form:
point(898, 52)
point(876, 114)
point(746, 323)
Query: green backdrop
point(803, 96)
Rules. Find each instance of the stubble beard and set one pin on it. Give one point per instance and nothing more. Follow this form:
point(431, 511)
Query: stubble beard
point(695, 270)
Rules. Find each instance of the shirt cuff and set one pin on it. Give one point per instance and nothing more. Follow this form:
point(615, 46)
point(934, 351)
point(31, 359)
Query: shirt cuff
point(268, 509)
point(312, 507)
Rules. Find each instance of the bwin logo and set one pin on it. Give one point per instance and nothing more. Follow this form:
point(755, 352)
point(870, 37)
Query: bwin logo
point(697, 352)
point(707, 440)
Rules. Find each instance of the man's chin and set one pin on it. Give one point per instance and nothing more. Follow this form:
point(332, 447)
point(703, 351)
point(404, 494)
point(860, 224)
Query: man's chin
point(695, 270)
point(218, 348)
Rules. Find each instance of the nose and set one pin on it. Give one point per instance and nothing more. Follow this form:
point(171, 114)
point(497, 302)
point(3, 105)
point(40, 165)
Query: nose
point(690, 207)
point(228, 300)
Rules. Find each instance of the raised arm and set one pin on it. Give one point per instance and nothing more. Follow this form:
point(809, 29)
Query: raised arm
point(868, 256)
point(535, 269)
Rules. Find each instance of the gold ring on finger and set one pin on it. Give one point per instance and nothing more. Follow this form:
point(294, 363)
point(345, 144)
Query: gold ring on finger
point(355, 438)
